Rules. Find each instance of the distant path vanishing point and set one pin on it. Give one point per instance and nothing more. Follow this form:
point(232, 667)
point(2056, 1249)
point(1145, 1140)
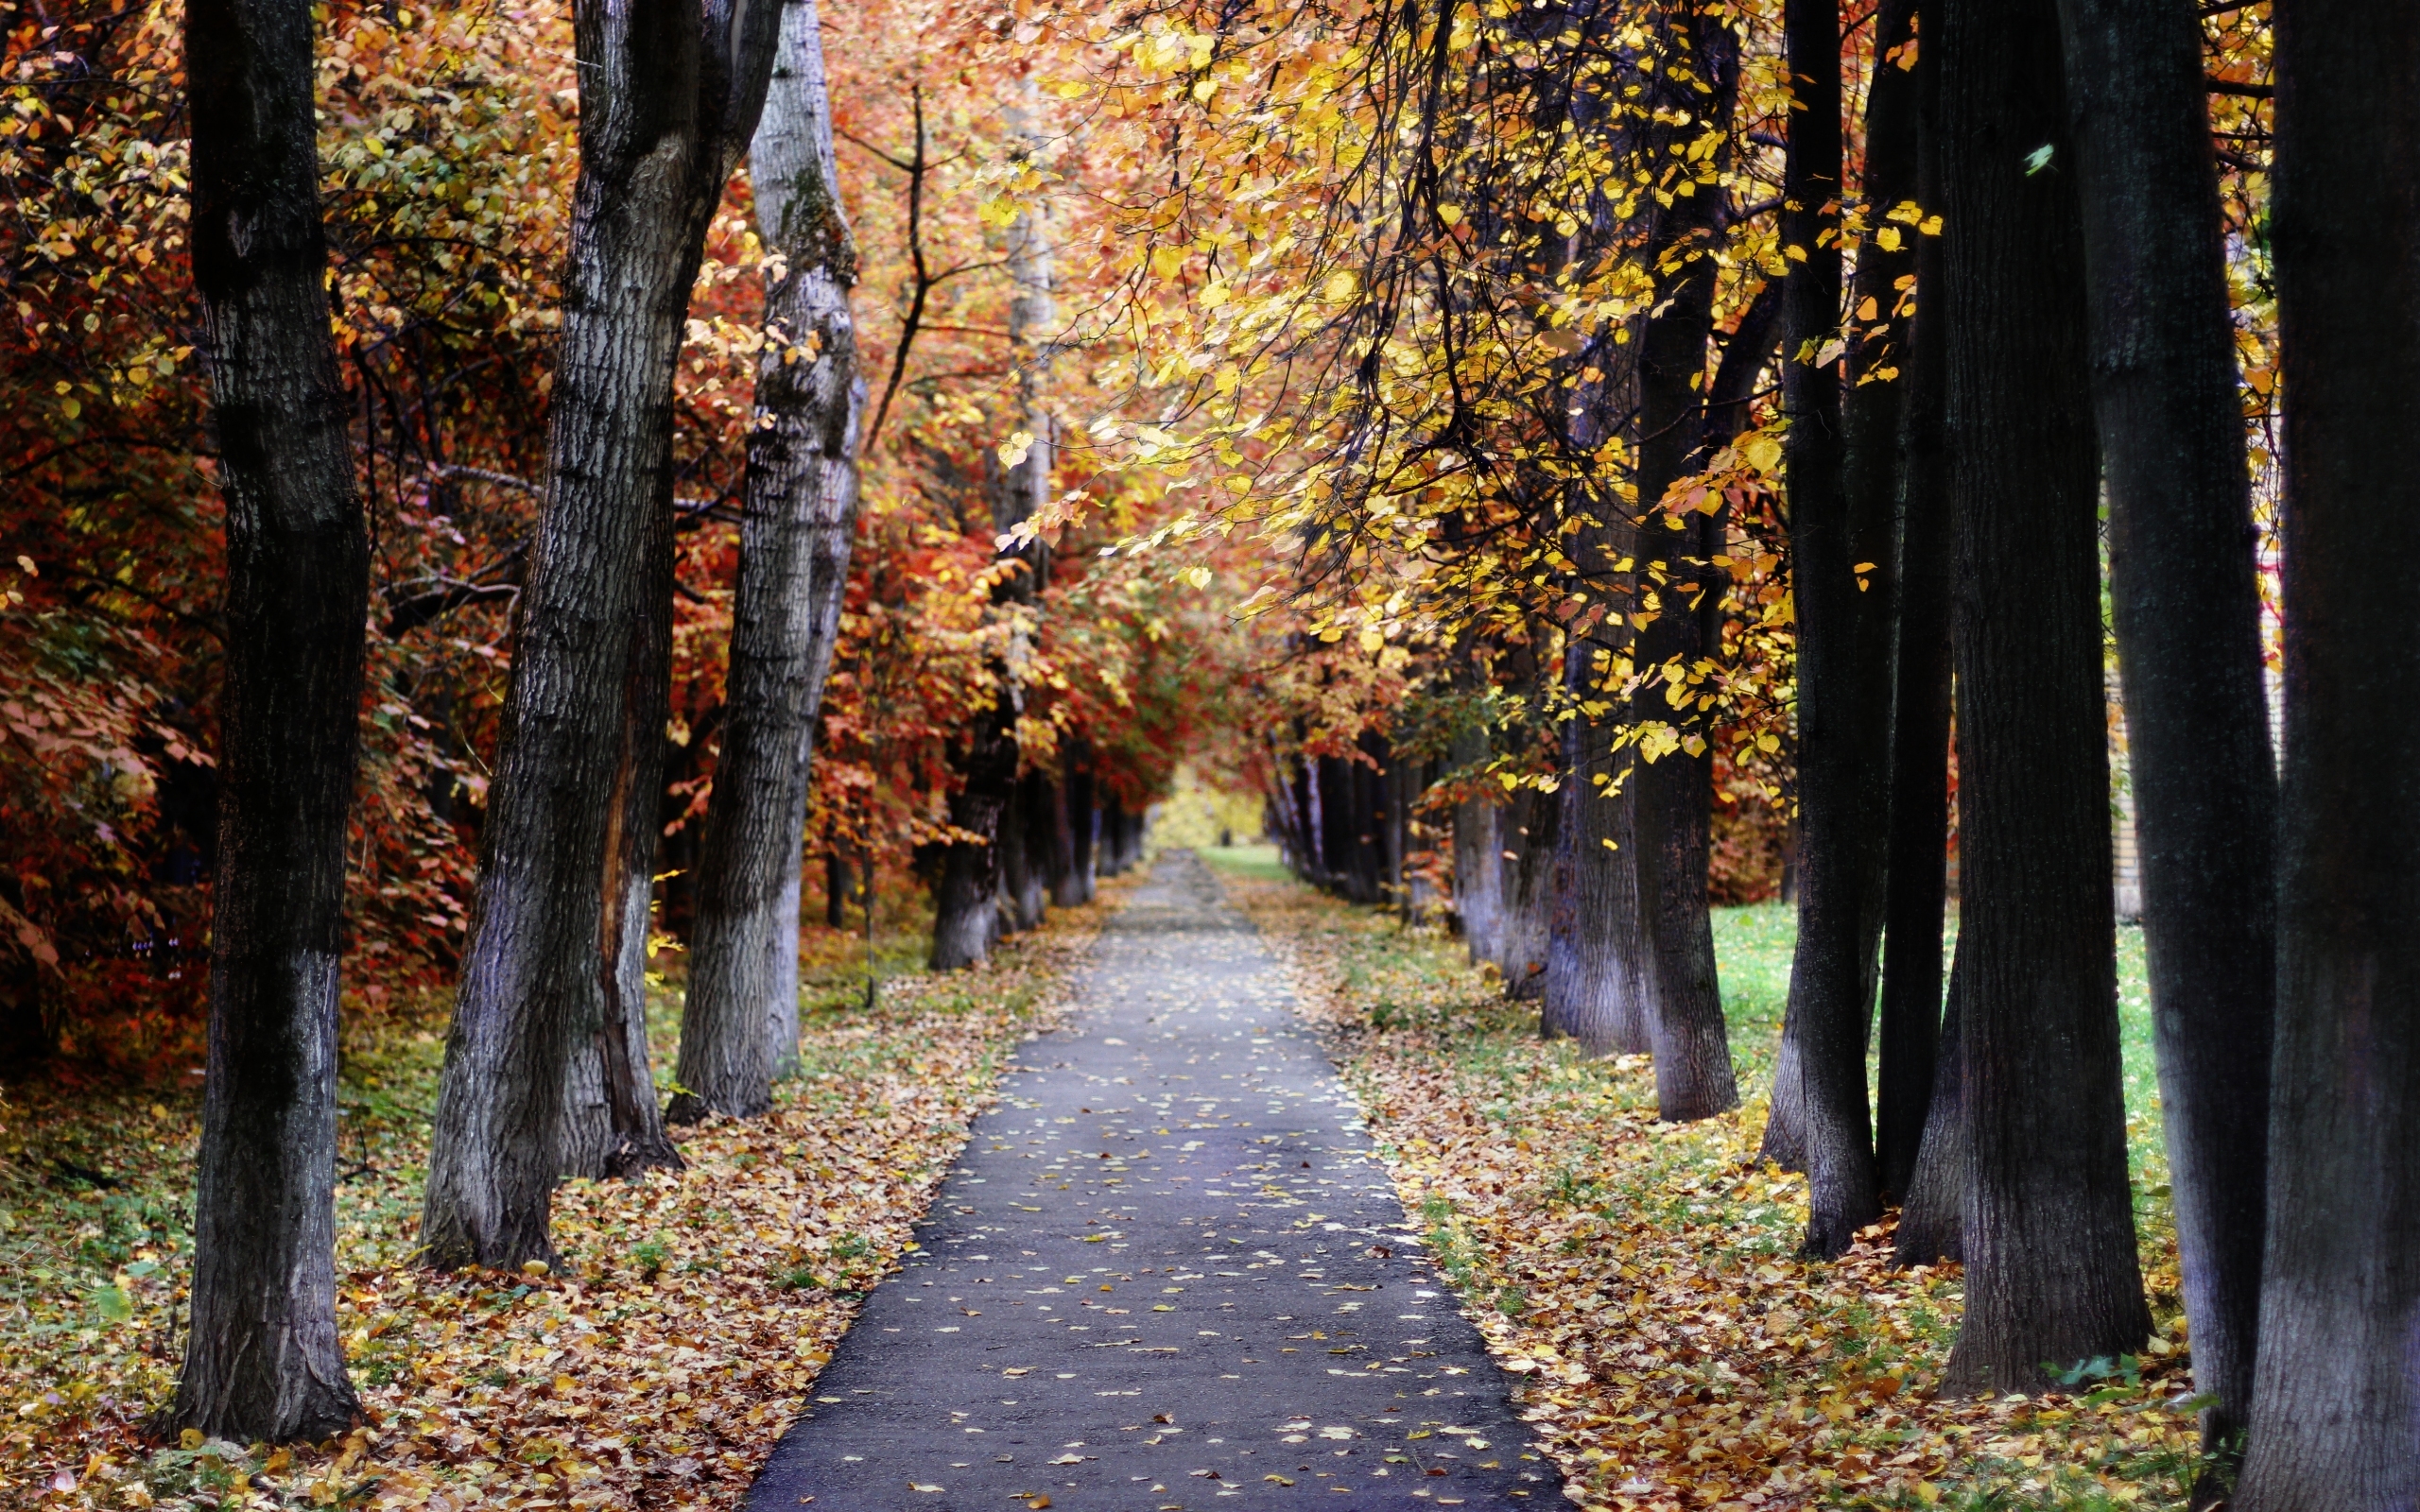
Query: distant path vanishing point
point(1167, 1273)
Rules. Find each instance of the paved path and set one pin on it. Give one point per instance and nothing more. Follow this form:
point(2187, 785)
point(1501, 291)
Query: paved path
point(1167, 1274)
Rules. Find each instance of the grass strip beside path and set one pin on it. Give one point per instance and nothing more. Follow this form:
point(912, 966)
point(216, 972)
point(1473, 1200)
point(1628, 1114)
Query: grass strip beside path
point(1642, 1276)
point(693, 1311)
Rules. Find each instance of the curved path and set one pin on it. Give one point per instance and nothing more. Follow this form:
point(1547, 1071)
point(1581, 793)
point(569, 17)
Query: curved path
point(1166, 1273)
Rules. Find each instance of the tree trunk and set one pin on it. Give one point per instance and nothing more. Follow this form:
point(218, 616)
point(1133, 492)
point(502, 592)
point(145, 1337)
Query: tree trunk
point(1842, 479)
point(263, 1360)
point(837, 885)
point(2051, 1274)
point(1596, 989)
point(2186, 602)
point(611, 1125)
point(1024, 882)
point(1673, 806)
point(1916, 882)
point(798, 517)
point(965, 921)
point(671, 92)
point(1080, 823)
point(1070, 885)
point(1528, 825)
point(967, 905)
point(2336, 1403)
point(1478, 870)
point(1932, 1220)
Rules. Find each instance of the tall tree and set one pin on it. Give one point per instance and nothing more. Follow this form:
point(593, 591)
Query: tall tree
point(263, 1360)
point(2186, 602)
point(740, 1025)
point(2051, 1273)
point(1697, 85)
point(1915, 883)
point(966, 902)
point(1838, 539)
point(670, 91)
point(2336, 1404)
point(1597, 986)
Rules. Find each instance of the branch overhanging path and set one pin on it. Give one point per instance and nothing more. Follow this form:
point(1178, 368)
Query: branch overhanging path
point(1167, 1272)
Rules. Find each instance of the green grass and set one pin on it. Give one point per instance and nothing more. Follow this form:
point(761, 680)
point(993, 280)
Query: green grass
point(2049, 1455)
point(1256, 861)
point(1752, 948)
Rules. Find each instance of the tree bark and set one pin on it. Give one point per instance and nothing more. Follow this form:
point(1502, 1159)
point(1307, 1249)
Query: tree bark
point(2051, 1274)
point(1594, 989)
point(2335, 1405)
point(1916, 889)
point(1674, 792)
point(1071, 882)
point(797, 520)
point(1527, 827)
point(1932, 1220)
point(1479, 872)
point(1024, 853)
point(965, 905)
point(670, 91)
point(2186, 601)
point(263, 1360)
point(837, 885)
point(1841, 479)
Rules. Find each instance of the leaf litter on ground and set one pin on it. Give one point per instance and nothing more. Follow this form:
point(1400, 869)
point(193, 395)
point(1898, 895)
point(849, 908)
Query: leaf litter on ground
point(1641, 1278)
point(681, 1335)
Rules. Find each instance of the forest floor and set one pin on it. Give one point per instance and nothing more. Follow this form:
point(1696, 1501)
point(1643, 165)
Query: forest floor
point(655, 1370)
point(1642, 1276)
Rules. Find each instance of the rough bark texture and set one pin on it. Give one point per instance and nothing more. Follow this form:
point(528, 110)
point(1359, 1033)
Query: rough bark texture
point(1915, 887)
point(1594, 989)
point(1673, 809)
point(1843, 686)
point(1932, 1220)
point(670, 93)
point(2051, 1274)
point(797, 520)
point(263, 1360)
point(2187, 603)
point(2336, 1401)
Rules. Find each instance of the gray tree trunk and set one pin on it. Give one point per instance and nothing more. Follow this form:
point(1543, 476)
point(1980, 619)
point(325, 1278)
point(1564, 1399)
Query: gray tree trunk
point(2186, 601)
point(2051, 1269)
point(740, 1028)
point(670, 91)
point(263, 1360)
point(2336, 1400)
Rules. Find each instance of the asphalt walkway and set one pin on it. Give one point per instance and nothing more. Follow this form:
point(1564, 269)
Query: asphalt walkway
point(1166, 1273)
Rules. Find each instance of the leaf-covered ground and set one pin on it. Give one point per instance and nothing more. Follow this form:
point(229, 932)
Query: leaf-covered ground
point(1642, 1276)
point(655, 1370)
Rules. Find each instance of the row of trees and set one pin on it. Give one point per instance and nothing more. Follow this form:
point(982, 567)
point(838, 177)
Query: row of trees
point(551, 557)
point(1619, 314)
